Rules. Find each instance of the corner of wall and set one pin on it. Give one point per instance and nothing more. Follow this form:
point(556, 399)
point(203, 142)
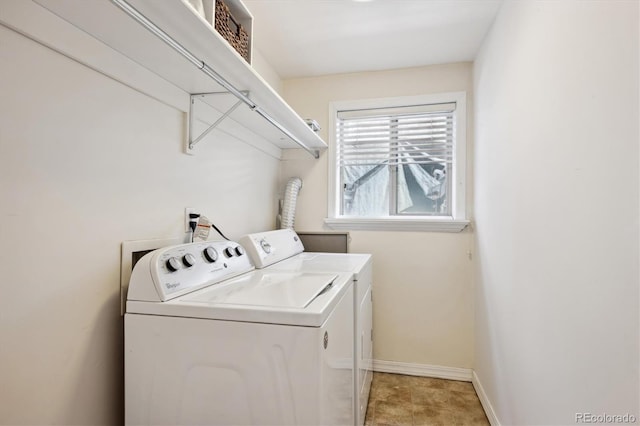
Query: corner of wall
point(266, 71)
point(484, 400)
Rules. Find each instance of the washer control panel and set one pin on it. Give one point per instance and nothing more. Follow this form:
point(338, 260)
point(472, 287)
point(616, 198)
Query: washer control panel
point(172, 271)
point(267, 248)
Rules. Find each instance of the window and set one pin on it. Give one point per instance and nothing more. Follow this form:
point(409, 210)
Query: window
point(398, 163)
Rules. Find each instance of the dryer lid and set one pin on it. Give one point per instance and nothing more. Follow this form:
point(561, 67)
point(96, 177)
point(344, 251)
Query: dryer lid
point(325, 262)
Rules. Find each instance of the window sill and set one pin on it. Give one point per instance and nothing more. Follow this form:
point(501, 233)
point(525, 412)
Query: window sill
point(397, 224)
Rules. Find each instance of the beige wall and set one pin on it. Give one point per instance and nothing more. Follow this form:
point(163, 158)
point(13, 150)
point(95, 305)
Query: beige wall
point(86, 163)
point(422, 280)
point(556, 185)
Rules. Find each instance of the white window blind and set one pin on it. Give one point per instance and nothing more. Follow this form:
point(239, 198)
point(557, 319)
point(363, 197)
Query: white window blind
point(391, 136)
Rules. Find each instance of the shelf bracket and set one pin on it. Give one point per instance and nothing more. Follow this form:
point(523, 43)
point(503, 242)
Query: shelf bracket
point(197, 96)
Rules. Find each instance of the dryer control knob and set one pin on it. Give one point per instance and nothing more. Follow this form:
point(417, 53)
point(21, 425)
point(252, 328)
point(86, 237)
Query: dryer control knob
point(189, 260)
point(172, 264)
point(210, 254)
point(239, 251)
point(266, 247)
point(229, 252)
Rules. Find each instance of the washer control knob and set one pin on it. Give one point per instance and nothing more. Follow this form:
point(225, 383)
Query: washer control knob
point(229, 252)
point(210, 254)
point(239, 250)
point(172, 264)
point(189, 260)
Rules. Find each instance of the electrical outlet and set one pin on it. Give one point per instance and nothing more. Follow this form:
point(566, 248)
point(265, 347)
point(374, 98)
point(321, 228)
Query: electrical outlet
point(187, 212)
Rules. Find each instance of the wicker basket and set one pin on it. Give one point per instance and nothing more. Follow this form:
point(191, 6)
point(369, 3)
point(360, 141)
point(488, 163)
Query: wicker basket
point(231, 30)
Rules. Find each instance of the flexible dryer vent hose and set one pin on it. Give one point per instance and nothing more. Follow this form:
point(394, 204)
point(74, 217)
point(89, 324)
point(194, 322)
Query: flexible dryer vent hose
point(289, 206)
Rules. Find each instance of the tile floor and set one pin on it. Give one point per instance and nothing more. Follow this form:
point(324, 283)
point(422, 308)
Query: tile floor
point(409, 400)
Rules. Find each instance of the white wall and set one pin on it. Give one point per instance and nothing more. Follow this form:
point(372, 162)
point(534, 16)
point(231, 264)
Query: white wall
point(556, 190)
point(85, 163)
point(266, 71)
point(422, 280)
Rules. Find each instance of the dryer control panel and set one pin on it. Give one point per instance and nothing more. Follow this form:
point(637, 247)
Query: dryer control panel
point(169, 272)
point(267, 248)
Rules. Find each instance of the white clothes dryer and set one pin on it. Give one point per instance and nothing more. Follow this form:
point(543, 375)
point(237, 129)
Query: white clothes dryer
point(282, 250)
point(209, 340)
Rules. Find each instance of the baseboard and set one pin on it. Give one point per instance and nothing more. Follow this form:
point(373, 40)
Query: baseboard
point(484, 400)
point(425, 370)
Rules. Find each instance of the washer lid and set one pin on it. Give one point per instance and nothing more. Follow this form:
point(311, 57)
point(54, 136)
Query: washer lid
point(262, 296)
point(270, 289)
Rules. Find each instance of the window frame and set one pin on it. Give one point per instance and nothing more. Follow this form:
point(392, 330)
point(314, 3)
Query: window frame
point(456, 222)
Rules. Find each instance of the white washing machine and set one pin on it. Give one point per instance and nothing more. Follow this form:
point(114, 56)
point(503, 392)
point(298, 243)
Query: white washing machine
point(209, 340)
point(282, 250)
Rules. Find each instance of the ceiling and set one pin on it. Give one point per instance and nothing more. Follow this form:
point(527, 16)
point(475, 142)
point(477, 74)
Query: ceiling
point(302, 38)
